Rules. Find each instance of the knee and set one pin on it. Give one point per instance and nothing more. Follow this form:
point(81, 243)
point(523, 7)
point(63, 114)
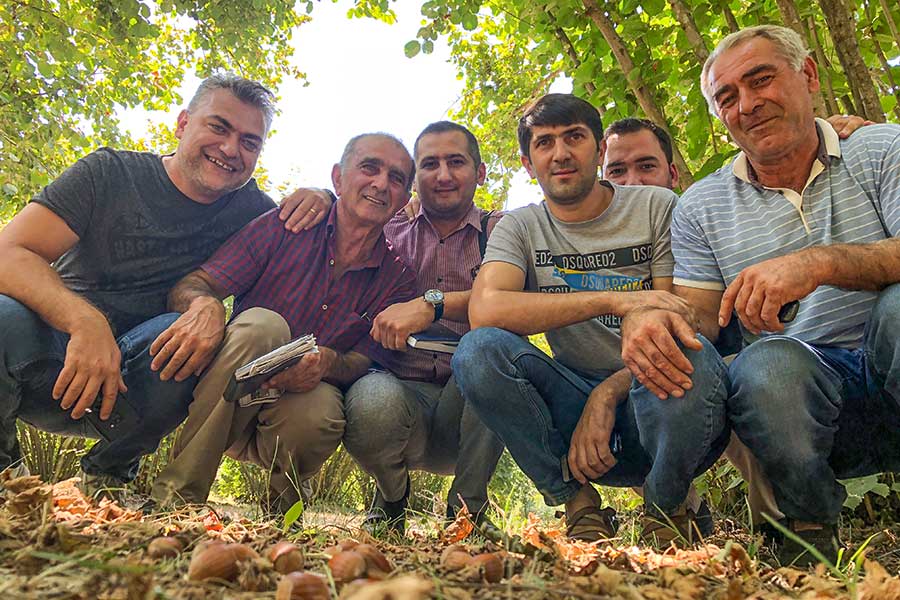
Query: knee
point(19, 322)
point(376, 406)
point(480, 353)
point(884, 321)
point(779, 386)
point(771, 364)
point(305, 418)
point(258, 328)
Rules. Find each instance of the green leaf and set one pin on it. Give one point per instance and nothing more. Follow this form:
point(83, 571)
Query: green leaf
point(293, 514)
point(412, 48)
point(469, 21)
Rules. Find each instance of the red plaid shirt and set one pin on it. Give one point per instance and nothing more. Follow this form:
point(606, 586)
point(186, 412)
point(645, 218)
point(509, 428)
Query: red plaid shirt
point(291, 273)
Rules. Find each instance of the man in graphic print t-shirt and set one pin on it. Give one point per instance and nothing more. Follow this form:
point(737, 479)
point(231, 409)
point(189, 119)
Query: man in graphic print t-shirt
point(572, 267)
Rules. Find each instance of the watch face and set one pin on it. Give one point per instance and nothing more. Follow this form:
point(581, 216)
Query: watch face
point(434, 296)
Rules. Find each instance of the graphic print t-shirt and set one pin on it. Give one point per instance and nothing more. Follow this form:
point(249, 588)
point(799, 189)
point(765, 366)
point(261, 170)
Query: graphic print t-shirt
point(622, 250)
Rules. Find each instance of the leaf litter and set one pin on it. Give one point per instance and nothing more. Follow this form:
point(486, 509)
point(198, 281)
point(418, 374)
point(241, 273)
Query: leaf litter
point(56, 543)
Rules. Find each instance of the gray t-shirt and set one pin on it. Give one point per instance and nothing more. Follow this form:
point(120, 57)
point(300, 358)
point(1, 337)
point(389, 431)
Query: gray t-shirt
point(621, 250)
point(138, 234)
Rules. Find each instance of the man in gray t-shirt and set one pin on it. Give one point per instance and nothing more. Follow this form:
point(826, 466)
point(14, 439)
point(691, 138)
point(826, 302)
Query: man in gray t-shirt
point(86, 270)
point(573, 267)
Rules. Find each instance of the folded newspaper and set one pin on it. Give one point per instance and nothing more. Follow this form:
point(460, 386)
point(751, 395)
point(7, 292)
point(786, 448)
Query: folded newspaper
point(248, 378)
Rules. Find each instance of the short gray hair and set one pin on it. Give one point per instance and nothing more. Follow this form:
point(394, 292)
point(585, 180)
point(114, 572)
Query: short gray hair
point(788, 43)
point(245, 90)
point(351, 146)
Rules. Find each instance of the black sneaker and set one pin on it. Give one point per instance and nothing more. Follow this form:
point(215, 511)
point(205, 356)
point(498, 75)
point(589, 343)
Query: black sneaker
point(386, 517)
point(795, 550)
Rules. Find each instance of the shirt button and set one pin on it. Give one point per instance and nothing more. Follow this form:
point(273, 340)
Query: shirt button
point(324, 307)
point(440, 241)
point(440, 279)
point(331, 262)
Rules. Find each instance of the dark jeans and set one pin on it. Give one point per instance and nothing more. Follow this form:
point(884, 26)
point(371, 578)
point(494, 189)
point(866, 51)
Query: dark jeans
point(814, 414)
point(533, 404)
point(32, 355)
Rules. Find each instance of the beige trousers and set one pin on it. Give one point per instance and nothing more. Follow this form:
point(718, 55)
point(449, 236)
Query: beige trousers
point(291, 437)
point(760, 497)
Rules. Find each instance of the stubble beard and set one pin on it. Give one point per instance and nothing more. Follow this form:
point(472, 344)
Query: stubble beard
point(568, 194)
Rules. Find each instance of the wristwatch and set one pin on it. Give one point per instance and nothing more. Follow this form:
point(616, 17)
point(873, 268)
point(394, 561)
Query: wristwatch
point(436, 299)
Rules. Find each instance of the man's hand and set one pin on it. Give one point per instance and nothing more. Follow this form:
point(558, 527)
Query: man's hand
point(304, 209)
point(759, 292)
point(650, 351)
point(653, 299)
point(844, 125)
point(589, 453)
point(412, 207)
point(189, 344)
point(306, 374)
point(395, 323)
point(93, 366)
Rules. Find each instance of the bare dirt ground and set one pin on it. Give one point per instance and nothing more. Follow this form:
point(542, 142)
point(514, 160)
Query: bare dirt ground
point(56, 544)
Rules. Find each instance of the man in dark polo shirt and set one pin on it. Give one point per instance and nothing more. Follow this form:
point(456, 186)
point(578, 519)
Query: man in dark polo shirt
point(331, 280)
point(86, 269)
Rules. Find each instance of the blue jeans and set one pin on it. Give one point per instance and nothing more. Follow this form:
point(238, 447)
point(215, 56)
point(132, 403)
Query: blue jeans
point(533, 404)
point(814, 414)
point(32, 355)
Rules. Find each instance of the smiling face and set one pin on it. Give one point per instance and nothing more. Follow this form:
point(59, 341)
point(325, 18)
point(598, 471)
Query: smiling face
point(446, 174)
point(765, 104)
point(219, 143)
point(373, 181)
point(637, 159)
point(564, 160)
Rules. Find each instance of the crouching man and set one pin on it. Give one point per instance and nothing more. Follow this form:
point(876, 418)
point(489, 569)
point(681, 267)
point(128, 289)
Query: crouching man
point(86, 269)
point(330, 280)
point(573, 266)
point(798, 215)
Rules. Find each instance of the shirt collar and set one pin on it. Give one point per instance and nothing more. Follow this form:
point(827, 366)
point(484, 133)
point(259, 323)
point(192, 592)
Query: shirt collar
point(472, 217)
point(378, 252)
point(829, 147)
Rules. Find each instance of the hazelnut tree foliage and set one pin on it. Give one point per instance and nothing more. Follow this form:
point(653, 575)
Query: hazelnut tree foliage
point(66, 65)
point(643, 58)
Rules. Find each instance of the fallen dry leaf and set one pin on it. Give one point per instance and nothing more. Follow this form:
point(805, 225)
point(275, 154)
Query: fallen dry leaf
point(878, 584)
point(460, 528)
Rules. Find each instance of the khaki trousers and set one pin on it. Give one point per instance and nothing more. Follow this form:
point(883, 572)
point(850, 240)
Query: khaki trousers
point(760, 497)
point(291, 437)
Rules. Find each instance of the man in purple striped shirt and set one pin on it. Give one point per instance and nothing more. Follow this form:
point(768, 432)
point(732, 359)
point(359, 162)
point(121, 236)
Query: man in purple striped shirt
point(414, 417)
point(330, 280)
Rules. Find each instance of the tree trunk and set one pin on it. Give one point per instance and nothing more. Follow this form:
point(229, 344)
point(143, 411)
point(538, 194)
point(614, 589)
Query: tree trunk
point(842, 26)
point(729, 17)
point(644, 96)
point(686, 19)
point(791, 17)
point(886, 11)
point(831, 104)
point(571, 52)
point(891, 88)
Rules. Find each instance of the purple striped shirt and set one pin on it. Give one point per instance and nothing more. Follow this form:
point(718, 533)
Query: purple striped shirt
point(448, 264)
point(291, 273)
